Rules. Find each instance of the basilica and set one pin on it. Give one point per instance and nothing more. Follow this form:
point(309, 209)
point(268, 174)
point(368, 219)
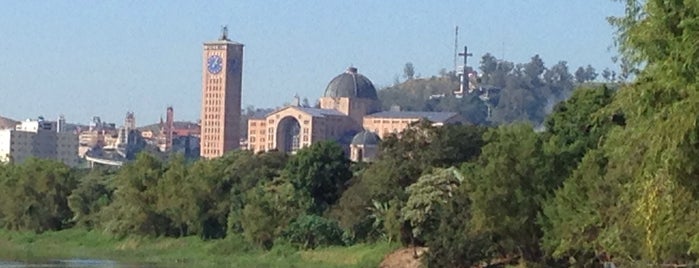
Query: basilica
point(349, 112)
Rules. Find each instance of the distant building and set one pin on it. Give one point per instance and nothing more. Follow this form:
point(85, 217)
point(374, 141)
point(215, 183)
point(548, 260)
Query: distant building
point(99, 135)
point(349, 113)
point(40, 139)
point(171, 135)
point(221, 93)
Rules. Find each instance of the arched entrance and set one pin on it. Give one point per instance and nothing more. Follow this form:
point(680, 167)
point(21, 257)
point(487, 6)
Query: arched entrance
point(288, 134)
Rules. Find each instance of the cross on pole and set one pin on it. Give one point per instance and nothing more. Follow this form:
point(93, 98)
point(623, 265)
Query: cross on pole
point(464, 75)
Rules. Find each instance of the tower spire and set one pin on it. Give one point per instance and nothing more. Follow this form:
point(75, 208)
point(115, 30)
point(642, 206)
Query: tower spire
point(224, 33)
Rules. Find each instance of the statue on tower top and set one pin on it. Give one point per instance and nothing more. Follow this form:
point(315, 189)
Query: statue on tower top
point(224, 33)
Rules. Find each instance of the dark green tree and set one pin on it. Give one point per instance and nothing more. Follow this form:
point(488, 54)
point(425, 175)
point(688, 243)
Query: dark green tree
point(93, 193)
point(321, 170)
point(133, 210)
point(509, 188)
point(246, 171)
point(269, 208)
point(33, 195)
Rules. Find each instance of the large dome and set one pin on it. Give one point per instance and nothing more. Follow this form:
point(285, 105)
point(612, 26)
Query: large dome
point(366, 138)
point(350, 84)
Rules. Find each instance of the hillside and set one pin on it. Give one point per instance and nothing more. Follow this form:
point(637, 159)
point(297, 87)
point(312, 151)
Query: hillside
point(505, 91)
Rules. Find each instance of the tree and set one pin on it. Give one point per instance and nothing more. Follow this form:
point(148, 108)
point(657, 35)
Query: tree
point(509, 188)
point(247, 170)
point(488, 66)
point(409, 71)
point(590, 73)
point(429, 192)
point(607, 75)
point(649, 161)
point(559, 82)
point(93, 193)
point(33, 195)
point(177, 197)
point(269, 209)
point(576, 126)
point(455, 243)
point(320, 170)
point(133, 210)
point(534, 69)
point(580, 76)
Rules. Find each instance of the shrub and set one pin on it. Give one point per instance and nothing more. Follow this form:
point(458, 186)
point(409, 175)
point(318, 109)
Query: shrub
point(310, 231)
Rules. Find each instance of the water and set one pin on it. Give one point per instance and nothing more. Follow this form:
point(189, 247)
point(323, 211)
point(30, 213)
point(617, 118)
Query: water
point(71, 263)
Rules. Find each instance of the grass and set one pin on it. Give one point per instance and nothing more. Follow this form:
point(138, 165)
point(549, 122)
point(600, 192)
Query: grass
point(188, 251)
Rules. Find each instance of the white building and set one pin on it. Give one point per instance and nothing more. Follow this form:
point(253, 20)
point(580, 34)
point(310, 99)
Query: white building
point(40, 139)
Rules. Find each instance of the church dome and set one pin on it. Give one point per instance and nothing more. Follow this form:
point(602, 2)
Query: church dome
point(351, 84)
point(366, 138)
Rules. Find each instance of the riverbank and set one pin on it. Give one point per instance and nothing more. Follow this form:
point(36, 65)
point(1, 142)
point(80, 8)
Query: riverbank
point(187, 251)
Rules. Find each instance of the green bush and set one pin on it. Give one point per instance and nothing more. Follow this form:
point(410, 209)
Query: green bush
point(310, 231)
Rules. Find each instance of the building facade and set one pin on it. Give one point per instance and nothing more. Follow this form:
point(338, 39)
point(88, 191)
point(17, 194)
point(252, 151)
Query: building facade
point(349, 113)
point(40, 139)
point(221, 96)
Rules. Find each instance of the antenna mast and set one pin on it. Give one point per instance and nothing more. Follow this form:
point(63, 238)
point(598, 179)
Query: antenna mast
point(456, 47)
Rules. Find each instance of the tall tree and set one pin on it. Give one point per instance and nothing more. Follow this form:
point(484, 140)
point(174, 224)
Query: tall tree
point(580, 76)
point(133, 210)
point(650, 160)
point(590, 73)
point(509, 189)
point(409, 71)
point(320, 170)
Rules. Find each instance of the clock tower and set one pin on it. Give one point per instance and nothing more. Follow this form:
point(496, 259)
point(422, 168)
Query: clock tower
point(222, 71)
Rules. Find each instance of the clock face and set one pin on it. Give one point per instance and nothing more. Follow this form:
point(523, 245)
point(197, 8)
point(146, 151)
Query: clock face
point(214, 64)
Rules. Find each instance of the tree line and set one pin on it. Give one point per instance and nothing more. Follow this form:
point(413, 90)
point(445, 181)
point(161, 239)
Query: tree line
point(472, 194)
point(516, 92)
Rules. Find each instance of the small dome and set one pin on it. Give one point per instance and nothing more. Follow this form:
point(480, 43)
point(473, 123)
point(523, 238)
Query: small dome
point(351, 84)
point(366, 138)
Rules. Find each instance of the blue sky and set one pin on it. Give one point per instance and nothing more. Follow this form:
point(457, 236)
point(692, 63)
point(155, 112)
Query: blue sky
point(104, 58)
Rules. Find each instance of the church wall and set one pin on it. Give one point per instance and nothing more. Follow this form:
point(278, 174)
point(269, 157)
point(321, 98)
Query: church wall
point(262, 133)
point(384, 126)
point(257, 135)
point(339, 104)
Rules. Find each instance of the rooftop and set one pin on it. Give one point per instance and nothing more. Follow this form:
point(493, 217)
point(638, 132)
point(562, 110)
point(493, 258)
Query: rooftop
point(432, 116)
point(318, 112)
point(7, 123)
point(351, 84)
point(366, 138)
